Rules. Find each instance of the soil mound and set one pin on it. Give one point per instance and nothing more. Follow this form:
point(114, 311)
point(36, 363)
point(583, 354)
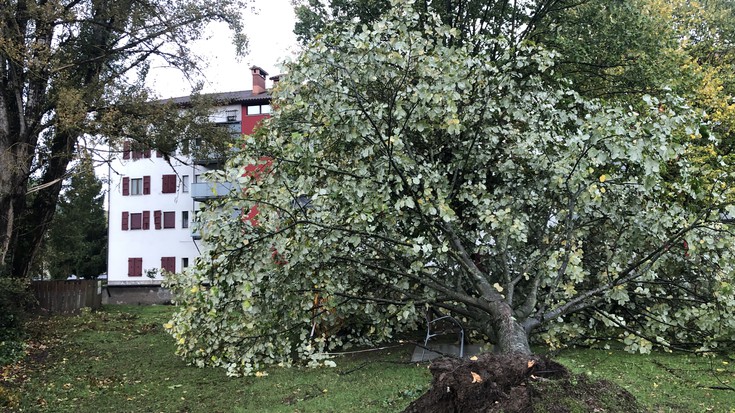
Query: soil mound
point(515, 383)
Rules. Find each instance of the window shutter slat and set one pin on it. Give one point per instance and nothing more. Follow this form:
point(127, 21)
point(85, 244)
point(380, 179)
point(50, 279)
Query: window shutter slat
point(168, 184)
point(126, 150)
point(126, 186)
point(125, 221)
point(157, 219)
point(146, 185)
point(168, 264)
point(146, 219)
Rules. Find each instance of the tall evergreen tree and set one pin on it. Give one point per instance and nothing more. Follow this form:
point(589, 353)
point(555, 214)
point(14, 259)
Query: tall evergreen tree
point(77, 239)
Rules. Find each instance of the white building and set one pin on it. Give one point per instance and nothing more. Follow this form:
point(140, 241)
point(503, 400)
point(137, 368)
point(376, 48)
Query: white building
point(152, 202)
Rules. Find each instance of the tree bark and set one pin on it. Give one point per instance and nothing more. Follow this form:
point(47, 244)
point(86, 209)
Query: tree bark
point(510, 335)
point(15, 159)
point(36, 219)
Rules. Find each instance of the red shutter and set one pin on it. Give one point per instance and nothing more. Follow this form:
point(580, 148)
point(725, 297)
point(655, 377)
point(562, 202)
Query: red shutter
point(168, 264)
point(126, 186)
point(168, 184)
point(146, 219)
point(159, 154)
point(157, 219)
point(126, 150)
point(146, 185)
point(125, 221)
point(147, 153)
point(135, 267)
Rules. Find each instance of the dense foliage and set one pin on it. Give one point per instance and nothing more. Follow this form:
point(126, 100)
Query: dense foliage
point(15, 301)
point(406, 169)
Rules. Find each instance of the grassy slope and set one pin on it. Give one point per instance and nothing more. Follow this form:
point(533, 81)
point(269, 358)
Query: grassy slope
point(120, 360)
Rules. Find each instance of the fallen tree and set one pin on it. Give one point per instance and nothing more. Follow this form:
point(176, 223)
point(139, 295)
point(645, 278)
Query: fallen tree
point(405, 169)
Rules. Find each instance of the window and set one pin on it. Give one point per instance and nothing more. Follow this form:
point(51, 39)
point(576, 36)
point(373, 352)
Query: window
point(168, 264)
point(184, 219)
point(197, 178)
point(168, 184)
point(135, 150)
point(231, 115)
point(169, 219)
point(136, 221)
point(184, 262)
point(259, 109)
point(136, 186)
point(139, 150)
point(185, 183)
point(135, 267)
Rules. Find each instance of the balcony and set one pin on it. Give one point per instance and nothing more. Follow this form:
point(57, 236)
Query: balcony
point(202, 191)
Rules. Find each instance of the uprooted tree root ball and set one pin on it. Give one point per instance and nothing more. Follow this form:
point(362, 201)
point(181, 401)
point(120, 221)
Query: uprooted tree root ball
point(517, 383)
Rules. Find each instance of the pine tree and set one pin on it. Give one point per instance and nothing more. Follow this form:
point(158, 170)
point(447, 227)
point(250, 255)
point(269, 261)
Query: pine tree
point(77, 240)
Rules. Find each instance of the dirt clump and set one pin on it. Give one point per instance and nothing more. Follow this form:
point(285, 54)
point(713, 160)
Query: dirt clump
point(517, 383)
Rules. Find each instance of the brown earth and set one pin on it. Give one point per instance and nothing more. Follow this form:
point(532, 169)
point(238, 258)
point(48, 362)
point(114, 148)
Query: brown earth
point(515, 383)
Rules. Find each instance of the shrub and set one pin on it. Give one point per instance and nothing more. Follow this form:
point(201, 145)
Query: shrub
point(16, 300)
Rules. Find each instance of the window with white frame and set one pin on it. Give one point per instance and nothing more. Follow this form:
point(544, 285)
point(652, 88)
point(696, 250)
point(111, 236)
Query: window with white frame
point(136, 186)
point(259, 109)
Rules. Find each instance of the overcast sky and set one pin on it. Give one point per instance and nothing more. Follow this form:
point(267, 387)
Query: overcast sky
point(270, 30)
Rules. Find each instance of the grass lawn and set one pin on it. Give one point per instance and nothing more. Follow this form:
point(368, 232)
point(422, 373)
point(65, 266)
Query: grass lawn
point(121, 360)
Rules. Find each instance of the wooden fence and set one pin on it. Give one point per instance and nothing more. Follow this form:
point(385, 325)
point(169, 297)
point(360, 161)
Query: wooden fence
point(68, 296)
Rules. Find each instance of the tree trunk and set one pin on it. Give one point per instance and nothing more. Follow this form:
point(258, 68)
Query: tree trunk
point(14, 167)
point(36, 219)
point(510, 335)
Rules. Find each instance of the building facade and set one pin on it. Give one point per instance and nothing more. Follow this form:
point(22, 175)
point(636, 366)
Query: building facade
point(152, 200)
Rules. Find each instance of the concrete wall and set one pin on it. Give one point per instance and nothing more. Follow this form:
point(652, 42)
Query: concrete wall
point(141, 295)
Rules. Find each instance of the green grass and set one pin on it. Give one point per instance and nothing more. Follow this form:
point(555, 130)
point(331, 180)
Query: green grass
point(121, 360)
point(664, 382)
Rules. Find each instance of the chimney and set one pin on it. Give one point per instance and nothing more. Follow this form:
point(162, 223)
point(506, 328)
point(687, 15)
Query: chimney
point(258, 80)
point(275, 78)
